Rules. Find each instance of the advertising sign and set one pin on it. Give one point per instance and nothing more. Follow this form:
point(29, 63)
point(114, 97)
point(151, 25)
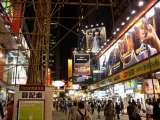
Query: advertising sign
point(148, 86)
point(31, 110)
point(81, 64)
point(95, 38)
point(140, 42)
point(81, 67)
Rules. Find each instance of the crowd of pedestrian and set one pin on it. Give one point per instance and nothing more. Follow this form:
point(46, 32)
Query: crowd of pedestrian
point(110, 110)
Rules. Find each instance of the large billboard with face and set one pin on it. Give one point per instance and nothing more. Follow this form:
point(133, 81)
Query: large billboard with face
point(95, 38)
point(140, 42)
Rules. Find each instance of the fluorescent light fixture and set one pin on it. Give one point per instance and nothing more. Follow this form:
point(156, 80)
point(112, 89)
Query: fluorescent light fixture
point(158, 5)
point(58, 83)
point(140, 3)
point(123, 23)
point(133, 12)
point(118, 29)
point(127, 18)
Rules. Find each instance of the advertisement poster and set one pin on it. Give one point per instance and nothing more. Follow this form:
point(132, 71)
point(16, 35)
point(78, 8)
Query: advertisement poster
point(95, 38)
point(31, 110)
point(148, 86)
point(82, 69)
point(140, 42)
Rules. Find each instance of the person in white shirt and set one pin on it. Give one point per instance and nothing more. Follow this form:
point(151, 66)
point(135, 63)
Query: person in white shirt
point(149, 110)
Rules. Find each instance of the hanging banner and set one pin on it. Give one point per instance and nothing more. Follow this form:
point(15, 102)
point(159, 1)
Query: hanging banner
point(95, 38)
point(82, 69)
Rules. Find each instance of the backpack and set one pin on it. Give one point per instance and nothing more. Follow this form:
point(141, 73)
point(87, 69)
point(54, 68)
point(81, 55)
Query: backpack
point(84, 116)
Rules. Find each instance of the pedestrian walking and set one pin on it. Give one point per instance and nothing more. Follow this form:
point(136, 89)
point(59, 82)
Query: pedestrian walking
point(117, 109)
point(109, 112)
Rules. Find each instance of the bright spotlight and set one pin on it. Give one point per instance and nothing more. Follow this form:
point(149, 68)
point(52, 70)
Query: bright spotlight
point(140, 3)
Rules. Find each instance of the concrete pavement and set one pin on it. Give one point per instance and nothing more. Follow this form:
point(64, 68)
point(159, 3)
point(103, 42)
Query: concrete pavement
point(61, 116)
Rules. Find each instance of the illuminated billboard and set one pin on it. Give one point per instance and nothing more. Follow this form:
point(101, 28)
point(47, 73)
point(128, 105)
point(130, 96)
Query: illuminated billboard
point(139, 43)
point(81, 67)
point(95, 38)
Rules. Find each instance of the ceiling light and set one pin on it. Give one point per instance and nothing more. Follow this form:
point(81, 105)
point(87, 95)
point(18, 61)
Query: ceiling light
point(102, 46)
point(105, 43)
point(58, 83)
point(127, 18)
point(140, 3)
point(123, 23)
point(108, 40)
point(86, 26)
point(133, 12)
point(97, 25)
point(92, 25)
point(118, 29)
point(114, 33)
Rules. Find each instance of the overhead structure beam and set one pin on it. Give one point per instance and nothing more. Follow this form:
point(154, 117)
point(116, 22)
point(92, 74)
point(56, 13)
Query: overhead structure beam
point(83, 3)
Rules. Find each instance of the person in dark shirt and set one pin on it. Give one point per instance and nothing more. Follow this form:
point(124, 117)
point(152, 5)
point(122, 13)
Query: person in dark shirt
point(1, 110)
point(130, 110)
point(156, 110)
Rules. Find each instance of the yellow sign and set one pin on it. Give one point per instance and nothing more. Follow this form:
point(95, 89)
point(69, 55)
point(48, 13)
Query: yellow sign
point(150, 65)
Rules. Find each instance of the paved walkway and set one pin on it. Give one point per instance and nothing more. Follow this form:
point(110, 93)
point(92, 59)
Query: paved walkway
point(61, 116)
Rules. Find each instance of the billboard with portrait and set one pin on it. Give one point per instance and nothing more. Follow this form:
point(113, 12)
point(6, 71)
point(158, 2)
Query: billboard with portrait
point(140, 42)
point(95, 38)
point(148, 86)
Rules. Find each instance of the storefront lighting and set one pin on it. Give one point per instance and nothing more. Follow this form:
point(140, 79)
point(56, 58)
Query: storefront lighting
point(58, 83)
point(11, 91)
point(92, 25)
point(97, 25)
point(158, 5)
point(15, 37)
point(123, 23)
point(133, 12)
point(140, 3)
point(86, 26)
point(127, 18)
point(118, 29)
point(150, 13)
